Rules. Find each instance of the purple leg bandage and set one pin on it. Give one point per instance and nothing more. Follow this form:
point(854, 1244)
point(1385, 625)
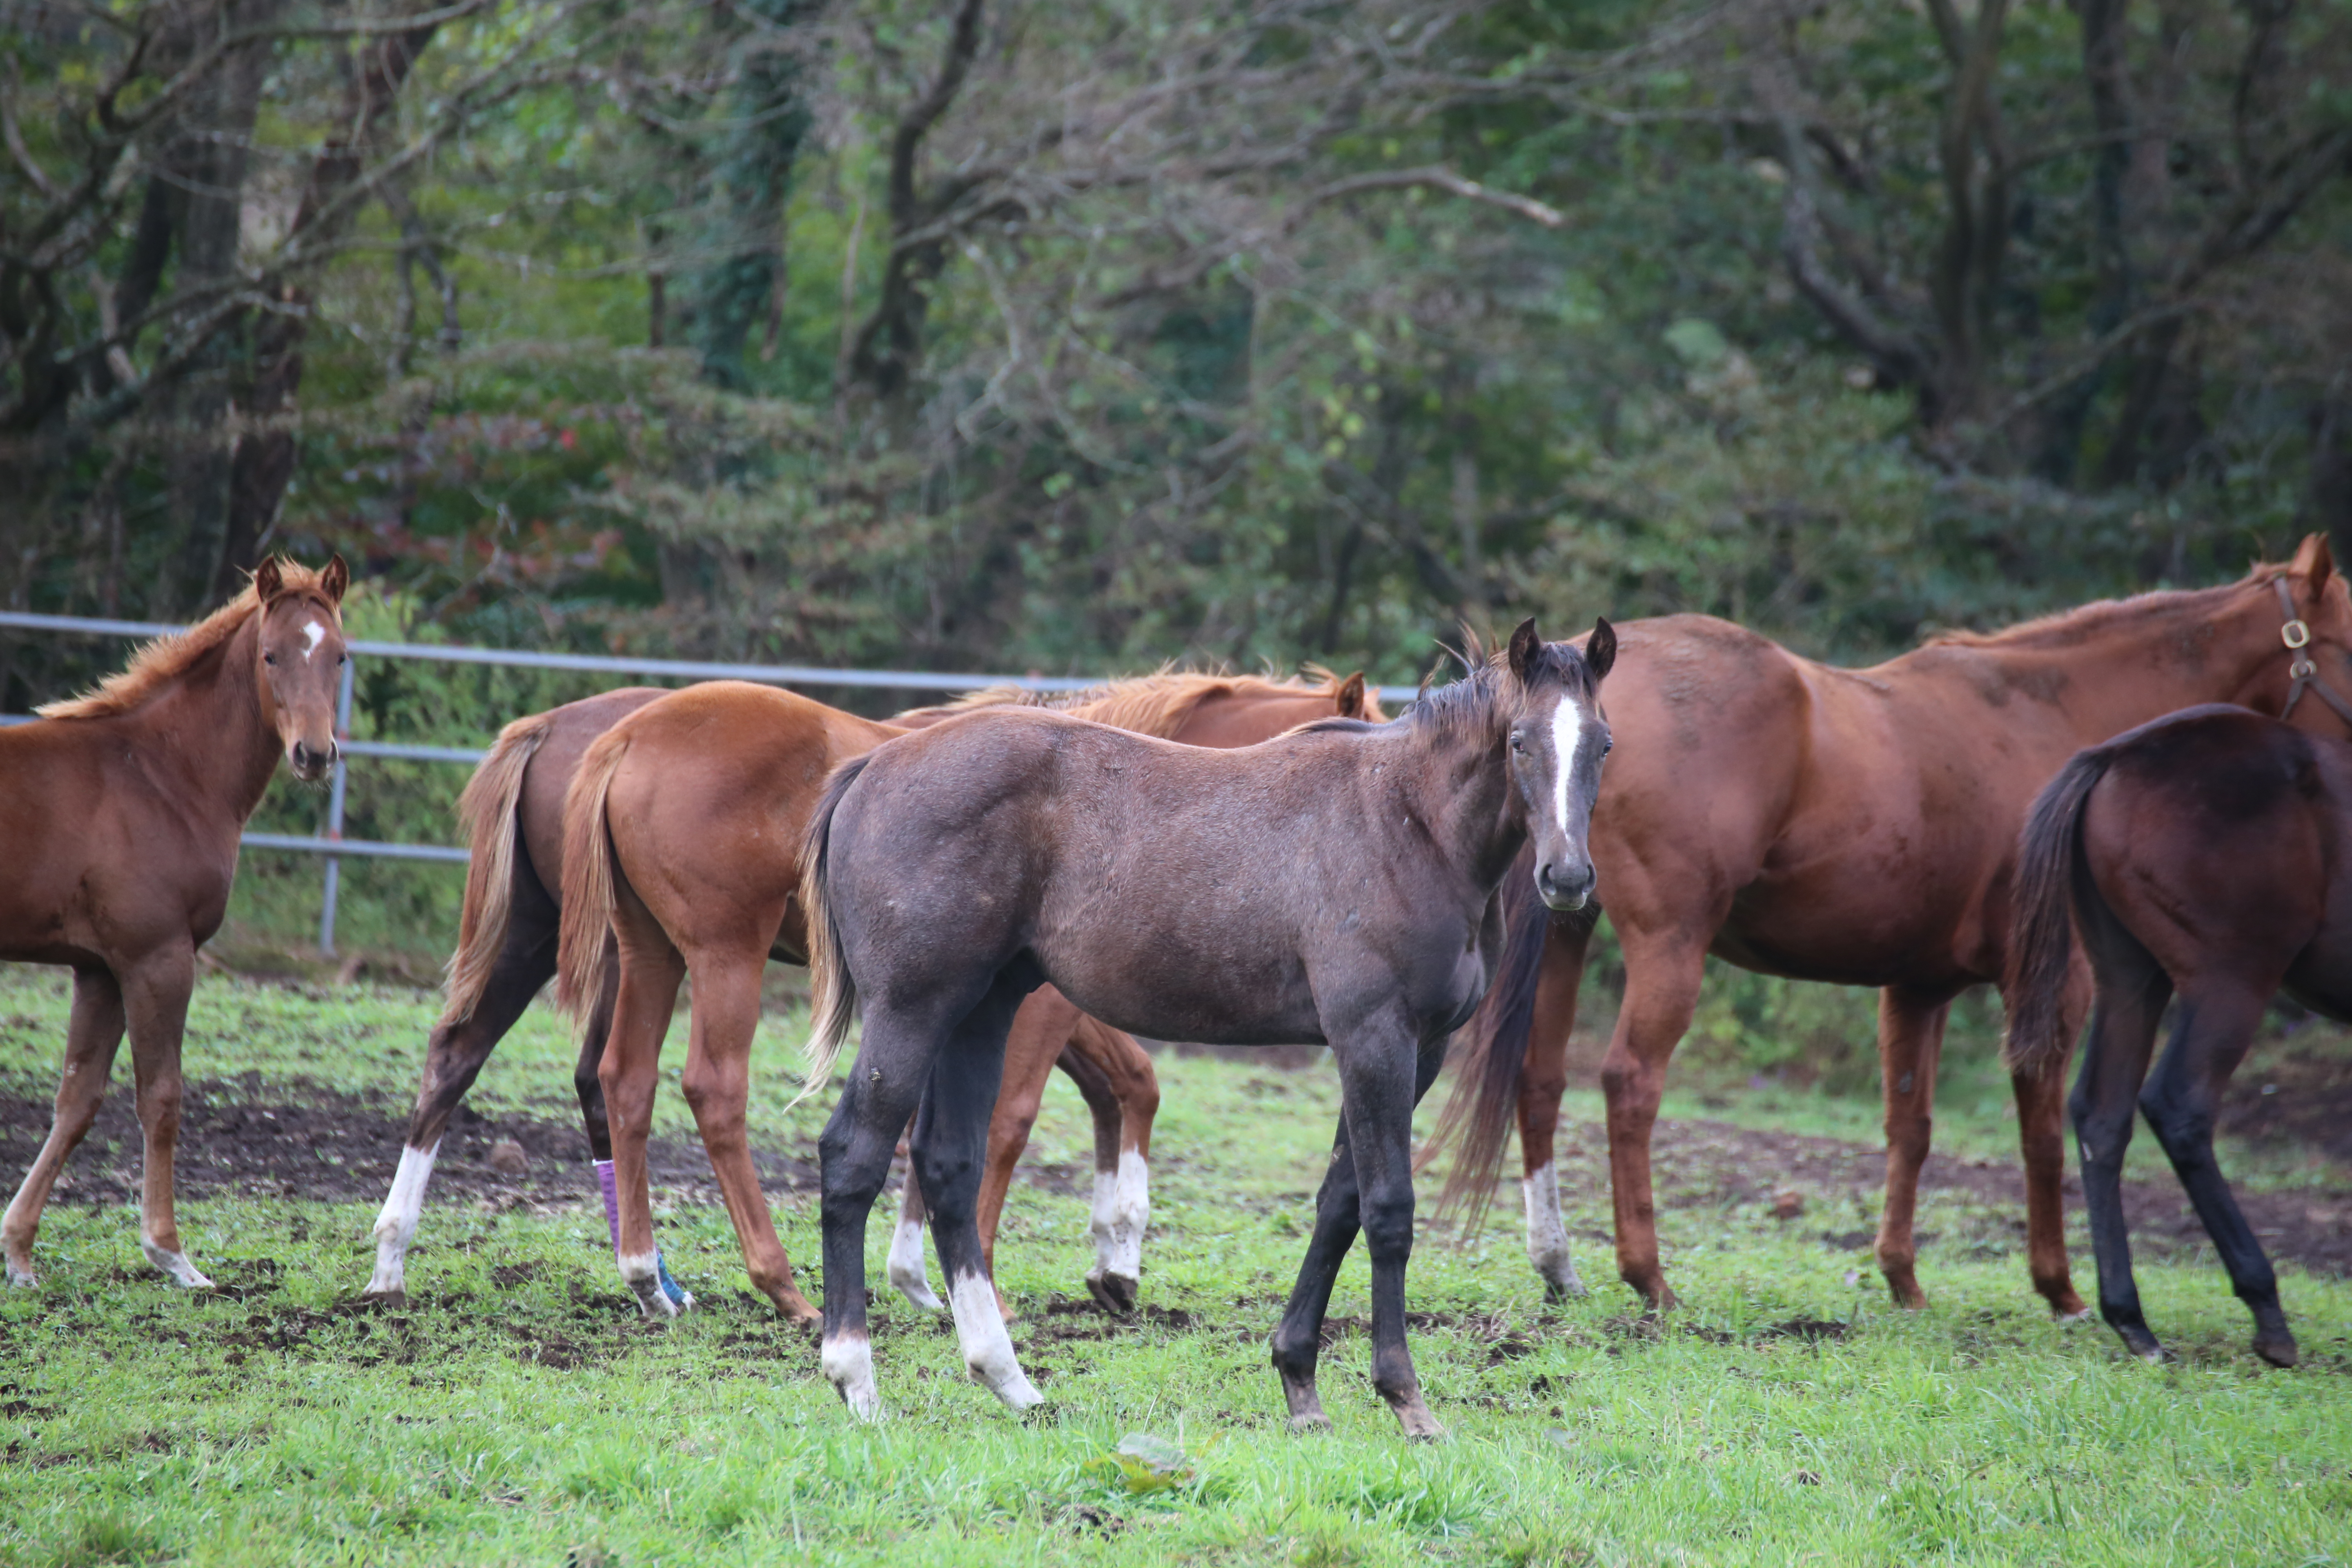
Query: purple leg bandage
point(605, 1184)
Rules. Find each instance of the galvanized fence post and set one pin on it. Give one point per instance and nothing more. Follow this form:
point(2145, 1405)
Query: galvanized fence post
point(335, 809)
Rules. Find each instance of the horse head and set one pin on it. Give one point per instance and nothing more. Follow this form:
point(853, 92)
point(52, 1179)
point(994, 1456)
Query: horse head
point(1557, 739)
point(2316, 626)
point(301, 658)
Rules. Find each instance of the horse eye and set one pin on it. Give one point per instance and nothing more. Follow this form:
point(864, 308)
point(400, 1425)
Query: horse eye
point(1519, 744)
point(270, 659)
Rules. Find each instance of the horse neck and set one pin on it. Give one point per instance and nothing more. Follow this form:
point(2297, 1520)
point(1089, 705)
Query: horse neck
point(1458, 786)
point(210, 725)
point(2152, 655)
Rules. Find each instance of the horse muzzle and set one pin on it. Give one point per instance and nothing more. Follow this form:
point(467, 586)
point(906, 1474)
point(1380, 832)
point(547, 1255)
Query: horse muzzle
point(311, 762)
point(1565, 888)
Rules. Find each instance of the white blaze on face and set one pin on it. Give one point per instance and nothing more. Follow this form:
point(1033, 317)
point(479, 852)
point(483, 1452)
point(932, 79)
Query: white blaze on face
point(396, 1227)
point(987, 1348)
point(313, 634)
point(1567, 729)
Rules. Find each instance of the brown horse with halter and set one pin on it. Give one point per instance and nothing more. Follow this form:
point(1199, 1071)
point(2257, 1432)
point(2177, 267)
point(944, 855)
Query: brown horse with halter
point(120, 810)
point(1855, 826)
point(681, 855)
point(1335, 887)
point(2208, 857)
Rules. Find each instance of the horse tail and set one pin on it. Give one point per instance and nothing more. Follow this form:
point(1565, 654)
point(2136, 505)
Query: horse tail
point(833, 987)
point(489, 812)
point(590, 882)
point(1493, 1055)
point(2052, 881)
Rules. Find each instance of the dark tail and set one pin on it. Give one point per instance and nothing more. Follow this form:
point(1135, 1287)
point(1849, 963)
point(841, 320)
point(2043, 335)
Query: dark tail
point(835, 991)
point(2051, 881)
point(1491, 1056)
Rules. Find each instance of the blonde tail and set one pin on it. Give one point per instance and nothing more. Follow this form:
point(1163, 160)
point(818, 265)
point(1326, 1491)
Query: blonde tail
point(589, 895)
point(487, 811)
point(834, 989)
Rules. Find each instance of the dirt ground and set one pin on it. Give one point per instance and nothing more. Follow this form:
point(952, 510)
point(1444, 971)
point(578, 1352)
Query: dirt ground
point(308, 1140)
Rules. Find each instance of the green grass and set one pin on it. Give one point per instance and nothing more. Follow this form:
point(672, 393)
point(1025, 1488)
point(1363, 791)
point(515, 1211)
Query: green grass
point(518, 1411)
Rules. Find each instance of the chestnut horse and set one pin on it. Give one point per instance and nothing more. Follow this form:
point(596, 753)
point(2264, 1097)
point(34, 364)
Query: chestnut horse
point(682, 836)
point(1336, 886)
point(2203, 855)
point(513, 814)
point(1855, 826)
point(120, 810)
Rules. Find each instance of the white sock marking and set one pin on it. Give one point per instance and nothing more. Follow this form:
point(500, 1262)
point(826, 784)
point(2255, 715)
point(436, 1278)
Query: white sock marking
point(175, 1264)
point(1122, 1212)
point(906, 1269)
point(396, 1227)
point(1546, 1233)
point(848, 1363)
point(641, 1271)
point(987, 1348)
point(313, 634)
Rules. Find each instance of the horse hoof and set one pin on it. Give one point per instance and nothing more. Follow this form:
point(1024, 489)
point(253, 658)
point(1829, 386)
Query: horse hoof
point(2063, 1318)
point(1115, 1293)
point(918, 1291)
point(175, 1267)
point(394, 1297)
point(1420, 1425)
point(22, 1275)
point(2279, 1350)
point(1312, 1421)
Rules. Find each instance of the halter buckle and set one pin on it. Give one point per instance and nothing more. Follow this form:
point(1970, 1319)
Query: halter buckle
point(2295, 634)
point(2303, 669)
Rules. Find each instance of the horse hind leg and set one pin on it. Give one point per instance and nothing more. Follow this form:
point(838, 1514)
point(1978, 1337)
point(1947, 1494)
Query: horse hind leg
point(950, 1151)
point(1545, 1080)
point(2182, 1097)
point(905, 1270)
point(1040, 1025)
point(651, 970)
point(1662, 985)
point(92, 1036)
point(453, 1060)
point(1115, 1075)
point(2104, 1104)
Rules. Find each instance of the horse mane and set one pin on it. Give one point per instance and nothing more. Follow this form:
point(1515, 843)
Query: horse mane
point(2087, 620)
point(1156, 704)
point(172, 654)
point(1468, 708)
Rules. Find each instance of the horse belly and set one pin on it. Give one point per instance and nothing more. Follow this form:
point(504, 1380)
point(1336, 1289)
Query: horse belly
point(1162, 992)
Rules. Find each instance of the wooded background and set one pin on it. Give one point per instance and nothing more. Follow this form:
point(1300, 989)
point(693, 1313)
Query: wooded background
point(1079, 337)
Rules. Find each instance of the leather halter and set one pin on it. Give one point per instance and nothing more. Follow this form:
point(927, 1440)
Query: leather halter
point(2297, 635)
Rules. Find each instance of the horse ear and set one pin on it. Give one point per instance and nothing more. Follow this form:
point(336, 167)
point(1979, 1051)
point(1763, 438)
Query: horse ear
point(335, 579)
point(2313, 562)
point(1348, 700)
point(1600, 648)
point(268, 581)
point(1527, 651)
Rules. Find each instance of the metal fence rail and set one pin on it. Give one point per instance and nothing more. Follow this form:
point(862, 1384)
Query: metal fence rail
point(335, 846)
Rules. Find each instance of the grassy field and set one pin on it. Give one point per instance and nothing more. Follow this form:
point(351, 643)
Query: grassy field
point(518, 1411)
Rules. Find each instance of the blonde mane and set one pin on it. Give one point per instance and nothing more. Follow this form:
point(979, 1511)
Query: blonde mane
point(170, 657)
point(1155, 704)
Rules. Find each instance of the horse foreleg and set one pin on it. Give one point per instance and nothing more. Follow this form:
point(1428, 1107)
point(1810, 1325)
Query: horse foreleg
point(1662, 981)
point(717, 1085)
point(650, 973)
point(452, 1060)
point(1122, 1205)
point(906, 1265)
point(1298, 1342)
point(155, 1004)
point(1032, 1045)
point(2208, 1040)
point(92, 1036)
point(1910, 1048)
point(1544, 1082)
point(2104, 1104)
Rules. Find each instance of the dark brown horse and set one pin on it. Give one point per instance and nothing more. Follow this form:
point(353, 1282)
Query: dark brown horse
point(1334, 886)
point(120, 812)
point(1855, 826)
point(2208, 856)
point(513, 813)
point(681, 852)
